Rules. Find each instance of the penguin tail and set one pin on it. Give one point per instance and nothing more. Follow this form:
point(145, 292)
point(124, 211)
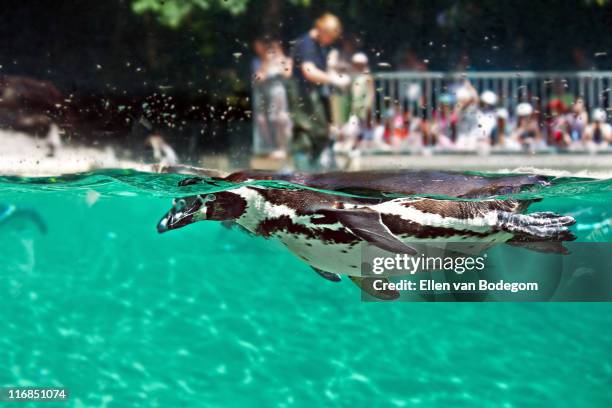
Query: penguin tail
point(537, 227)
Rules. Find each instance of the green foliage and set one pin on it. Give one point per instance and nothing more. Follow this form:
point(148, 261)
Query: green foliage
point(173, 12)
point(599, 3)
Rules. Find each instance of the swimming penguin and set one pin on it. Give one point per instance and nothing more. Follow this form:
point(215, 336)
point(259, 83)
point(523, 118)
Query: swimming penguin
point(10, 213)
point(327, 230)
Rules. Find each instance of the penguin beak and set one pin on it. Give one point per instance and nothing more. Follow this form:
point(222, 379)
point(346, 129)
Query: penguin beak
point(184, 212)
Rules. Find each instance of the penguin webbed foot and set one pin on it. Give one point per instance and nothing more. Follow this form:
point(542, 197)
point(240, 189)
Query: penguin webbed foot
point(545, 225)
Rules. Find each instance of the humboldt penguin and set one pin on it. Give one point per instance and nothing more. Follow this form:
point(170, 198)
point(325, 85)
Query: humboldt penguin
point(327, 230)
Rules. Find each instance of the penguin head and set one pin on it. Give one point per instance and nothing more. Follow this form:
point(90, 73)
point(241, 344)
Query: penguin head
point(220, 206)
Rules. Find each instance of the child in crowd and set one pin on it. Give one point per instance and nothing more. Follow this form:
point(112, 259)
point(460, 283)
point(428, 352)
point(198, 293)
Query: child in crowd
point(362, 88)
point(361, 93)
point(443, 122)
point(487, 117)
point(557, 125)
point(577, 120)
point(467, 113)
point(598, 134)
point(527, 132)
point(501, 130)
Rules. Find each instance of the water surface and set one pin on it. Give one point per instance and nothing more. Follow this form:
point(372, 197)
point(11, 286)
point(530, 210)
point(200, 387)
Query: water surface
point(207, 316)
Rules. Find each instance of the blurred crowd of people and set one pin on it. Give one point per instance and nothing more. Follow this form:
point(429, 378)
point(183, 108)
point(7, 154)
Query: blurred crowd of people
point(317, 101)
point(466, 120)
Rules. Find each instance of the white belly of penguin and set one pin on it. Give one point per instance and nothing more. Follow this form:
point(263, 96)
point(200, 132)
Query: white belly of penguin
point(343, 259)
point(346, 259)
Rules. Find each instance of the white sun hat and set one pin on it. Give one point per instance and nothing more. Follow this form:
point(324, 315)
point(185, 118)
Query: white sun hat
point(599, 115)
point(489, 98)
point(524, 109)
point(413, 91)
point(462, 94)
point(359, 58)
point(502, 113)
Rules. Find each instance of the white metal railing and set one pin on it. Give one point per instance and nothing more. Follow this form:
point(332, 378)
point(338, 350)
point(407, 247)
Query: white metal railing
point(419, 92)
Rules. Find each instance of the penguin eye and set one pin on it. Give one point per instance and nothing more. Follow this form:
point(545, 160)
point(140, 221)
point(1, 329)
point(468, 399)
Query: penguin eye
point(210, 197)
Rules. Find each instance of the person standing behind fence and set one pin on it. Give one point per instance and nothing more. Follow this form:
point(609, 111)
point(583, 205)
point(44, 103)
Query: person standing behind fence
point(577, 120)
point(339, 61)
point(443, 122)
point(361, 100)
point(467, 113)
point(309, 100)
point(557, 125)
point(501, 130)
point(487, 117)
point(362, 89)
point(272, 106)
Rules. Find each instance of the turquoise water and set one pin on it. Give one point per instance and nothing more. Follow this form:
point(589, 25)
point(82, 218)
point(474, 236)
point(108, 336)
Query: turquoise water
point(208, 316)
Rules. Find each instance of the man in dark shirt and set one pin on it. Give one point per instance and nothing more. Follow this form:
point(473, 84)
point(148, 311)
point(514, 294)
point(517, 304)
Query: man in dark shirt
point(309, 103)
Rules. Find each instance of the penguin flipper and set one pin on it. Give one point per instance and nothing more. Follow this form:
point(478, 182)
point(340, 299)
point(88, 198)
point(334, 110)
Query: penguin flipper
point(367, 285)
point(367, 225)
point(330, 276)
point(231, 224)
point(543, 226)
